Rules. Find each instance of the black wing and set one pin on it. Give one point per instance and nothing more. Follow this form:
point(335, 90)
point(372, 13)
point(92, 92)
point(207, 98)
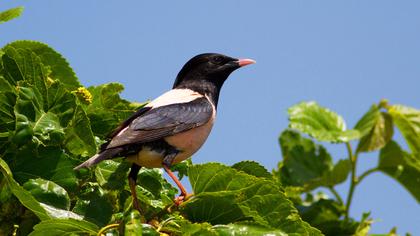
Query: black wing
point(164, 121)
point(127, 122)
point(123, 125)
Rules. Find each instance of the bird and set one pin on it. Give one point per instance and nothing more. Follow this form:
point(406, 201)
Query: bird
point(172, 127)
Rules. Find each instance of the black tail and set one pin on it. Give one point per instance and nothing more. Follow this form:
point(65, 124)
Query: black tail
point(106, 154)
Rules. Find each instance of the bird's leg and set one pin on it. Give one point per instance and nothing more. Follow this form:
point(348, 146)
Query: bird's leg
point(132, 178)
point(167, 162)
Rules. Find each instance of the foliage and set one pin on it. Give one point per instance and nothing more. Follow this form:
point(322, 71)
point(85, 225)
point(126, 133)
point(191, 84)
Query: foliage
point(49, 123)
point(48, 119)
point(10, 14)
point(307, 165)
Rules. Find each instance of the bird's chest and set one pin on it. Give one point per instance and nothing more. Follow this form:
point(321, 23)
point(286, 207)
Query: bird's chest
point(190, 141)
point(187, 143)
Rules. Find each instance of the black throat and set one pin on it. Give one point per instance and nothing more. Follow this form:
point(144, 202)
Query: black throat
point(204, 87)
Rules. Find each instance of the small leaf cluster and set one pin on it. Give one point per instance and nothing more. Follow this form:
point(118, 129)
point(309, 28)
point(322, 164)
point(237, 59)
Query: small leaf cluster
point(10, 14)
point(46, 128)
point(307, 165)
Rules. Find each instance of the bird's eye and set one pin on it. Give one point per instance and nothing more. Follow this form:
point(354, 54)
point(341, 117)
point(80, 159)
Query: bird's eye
point(218, 60)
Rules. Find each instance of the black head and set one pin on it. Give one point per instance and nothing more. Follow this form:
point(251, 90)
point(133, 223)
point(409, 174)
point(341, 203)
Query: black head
point(208, 69)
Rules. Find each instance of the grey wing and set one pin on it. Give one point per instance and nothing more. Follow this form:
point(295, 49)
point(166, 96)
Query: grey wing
point(164, 121)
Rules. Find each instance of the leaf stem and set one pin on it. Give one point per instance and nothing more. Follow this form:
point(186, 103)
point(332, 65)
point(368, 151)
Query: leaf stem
point(366, 173)
point(336, 195)
point(350, 152)
point(353, 181)
point(166, 209)
point(111, 226)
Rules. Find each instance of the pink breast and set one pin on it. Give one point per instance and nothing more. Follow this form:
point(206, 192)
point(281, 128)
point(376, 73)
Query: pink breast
point(190, 141)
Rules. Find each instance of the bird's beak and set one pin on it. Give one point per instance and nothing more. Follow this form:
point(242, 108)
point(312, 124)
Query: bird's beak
point(244, 62)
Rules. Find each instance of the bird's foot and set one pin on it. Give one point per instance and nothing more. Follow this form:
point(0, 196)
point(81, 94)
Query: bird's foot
point(182, 198)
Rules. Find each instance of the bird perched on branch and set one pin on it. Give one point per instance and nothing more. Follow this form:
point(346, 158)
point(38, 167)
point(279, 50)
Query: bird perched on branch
point(175, 125)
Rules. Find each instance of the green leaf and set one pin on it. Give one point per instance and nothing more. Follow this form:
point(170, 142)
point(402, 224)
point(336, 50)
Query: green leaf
point(107, 109)
point(7, 103)
point(111, 174)
point(218, 187)
point(151, 179)
point(181, 226)
point(133, 225)
point(24, 196)
point(59, 67)
point(148, 230)
point(244, 229)
point(78, 135)
point(57, 213)
point(49, 163)
point(154, 191)
point(304, 163)
point(407, 119)
point(60, 227)
point(27, 112)
point(60, 102)
point(338, 174)
point(31, 116)
point(43, 211)
point(182, 168)
point(325, 215)
point(252, 168)
point(402, 166)
point(184, 227)
point(94, 205)
point(364, 225)
point(195, 209)
point(293, 193)
point(307, 164)
point(23, 65)
point(392, 232)
point(376, 129)
point(48, 192)
point(320, 123)
point(196, 229)
point(10, 14)
point(368, 121)
point(44, 107)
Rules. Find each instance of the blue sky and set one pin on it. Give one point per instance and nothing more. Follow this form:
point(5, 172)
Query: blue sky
point(345, 55)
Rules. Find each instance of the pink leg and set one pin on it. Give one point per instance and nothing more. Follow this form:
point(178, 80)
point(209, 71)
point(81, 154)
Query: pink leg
point(184, 195)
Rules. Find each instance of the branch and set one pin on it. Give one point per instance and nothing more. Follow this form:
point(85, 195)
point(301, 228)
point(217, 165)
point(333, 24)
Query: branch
point(353, 182)
point(366, 173)
point(336, 195)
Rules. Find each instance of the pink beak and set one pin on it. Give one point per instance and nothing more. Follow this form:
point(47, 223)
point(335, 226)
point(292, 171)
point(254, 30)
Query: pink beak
point(244, 62)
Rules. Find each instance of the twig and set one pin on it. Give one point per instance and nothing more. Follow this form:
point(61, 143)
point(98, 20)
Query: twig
point(353, 181)
point(366, 173)
point(111, 226)
point(336, 195)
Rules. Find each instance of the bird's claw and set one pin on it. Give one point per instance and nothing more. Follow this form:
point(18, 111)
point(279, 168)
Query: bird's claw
point(182, 198)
